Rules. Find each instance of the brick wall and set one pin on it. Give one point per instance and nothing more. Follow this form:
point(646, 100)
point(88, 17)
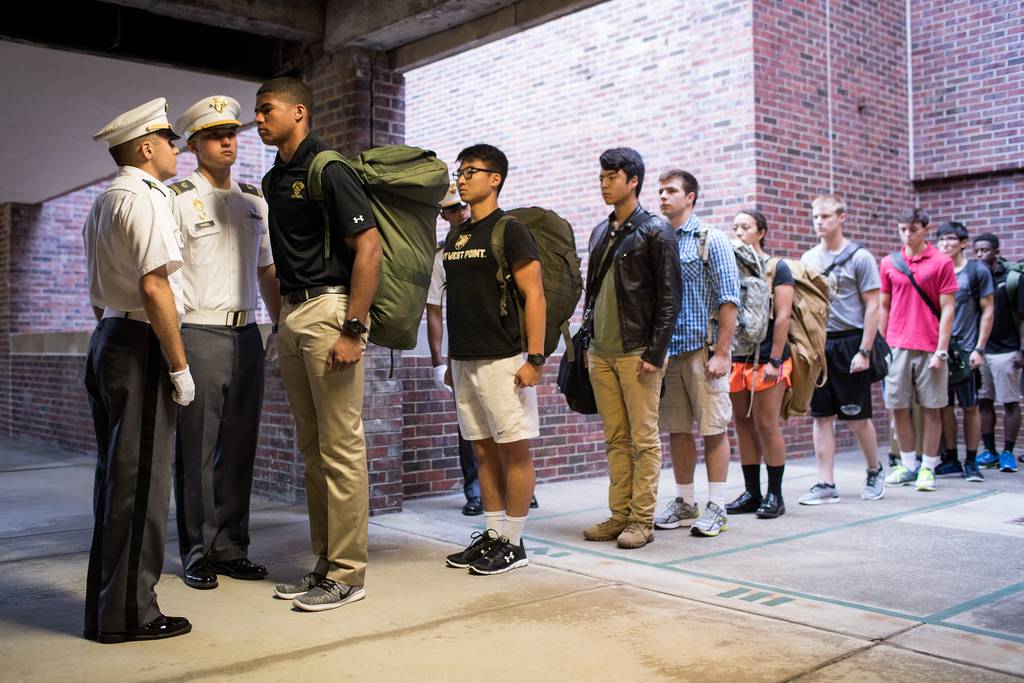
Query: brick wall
point(968, 86)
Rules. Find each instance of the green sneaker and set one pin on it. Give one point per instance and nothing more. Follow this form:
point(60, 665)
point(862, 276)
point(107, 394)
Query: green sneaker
point(925, 479)
point(901, 476)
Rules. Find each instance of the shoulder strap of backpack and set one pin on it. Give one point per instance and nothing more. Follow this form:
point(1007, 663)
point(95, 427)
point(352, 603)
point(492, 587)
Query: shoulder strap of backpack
point(897, 260)
point(847, 254)
point(504, 271)
point(315, 189)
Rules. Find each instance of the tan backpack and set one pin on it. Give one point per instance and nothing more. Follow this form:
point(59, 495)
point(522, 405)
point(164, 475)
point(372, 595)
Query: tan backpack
point(806, 335)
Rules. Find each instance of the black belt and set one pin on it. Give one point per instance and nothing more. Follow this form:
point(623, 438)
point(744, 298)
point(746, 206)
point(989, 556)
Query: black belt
point(302, 295)
point(844, 334)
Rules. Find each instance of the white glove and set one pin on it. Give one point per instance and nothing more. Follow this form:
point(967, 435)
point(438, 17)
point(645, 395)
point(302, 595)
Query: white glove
point(270, 353)
point(439, 373)
point(184, 388)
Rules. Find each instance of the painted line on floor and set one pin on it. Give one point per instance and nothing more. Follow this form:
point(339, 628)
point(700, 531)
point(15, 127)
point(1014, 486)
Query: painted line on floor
point(784, 591)
point(975, 603)
point(830, 529)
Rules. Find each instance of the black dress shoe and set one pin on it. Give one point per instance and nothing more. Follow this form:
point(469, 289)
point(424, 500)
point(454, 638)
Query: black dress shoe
point(161, 627)
point(241, 568)
point(473, 507)
point(771, 507)
point(533, 503)
point(745, 503)
point(200, 575)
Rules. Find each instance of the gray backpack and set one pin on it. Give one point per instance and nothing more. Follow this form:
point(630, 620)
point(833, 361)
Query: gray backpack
point(755, 297)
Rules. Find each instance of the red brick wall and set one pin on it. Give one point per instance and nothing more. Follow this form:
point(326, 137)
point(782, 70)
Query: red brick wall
point(968, 86)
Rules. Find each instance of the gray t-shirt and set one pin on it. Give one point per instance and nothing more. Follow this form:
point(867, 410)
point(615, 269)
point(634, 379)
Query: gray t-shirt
point(975, 281)
point(846, 283)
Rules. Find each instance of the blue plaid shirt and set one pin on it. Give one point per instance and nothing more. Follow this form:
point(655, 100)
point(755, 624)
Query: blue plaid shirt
point(704, 289)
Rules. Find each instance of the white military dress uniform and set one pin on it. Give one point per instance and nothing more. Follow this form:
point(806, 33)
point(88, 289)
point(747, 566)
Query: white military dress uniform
point(129, 233)
point(225, 242)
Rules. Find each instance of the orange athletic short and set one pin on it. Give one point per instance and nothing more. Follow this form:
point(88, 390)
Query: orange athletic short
point(742, 376)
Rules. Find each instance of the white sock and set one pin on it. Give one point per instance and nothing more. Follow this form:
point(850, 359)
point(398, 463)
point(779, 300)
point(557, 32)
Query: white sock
point(495, 520)
point(514, 528)
point(930, 461)
point(716, 493)
point(909, 459)
point(686, 492)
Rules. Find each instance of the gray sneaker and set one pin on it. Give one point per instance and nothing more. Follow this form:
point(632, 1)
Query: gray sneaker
point(901, 476)
point(874, 485)
point(290, 591)
point(820, 494)
point(677, 513)
point(711, 523)
point(327, 595)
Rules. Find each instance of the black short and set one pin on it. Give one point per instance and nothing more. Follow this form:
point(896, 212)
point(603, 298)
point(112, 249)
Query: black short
point(846, 396)
point(966, 393)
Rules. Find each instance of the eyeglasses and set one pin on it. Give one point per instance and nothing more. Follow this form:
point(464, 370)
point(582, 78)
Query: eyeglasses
point(948, 238)
point(470, 171)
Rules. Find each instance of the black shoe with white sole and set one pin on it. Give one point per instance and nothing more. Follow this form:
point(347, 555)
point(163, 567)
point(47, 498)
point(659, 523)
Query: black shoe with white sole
point(500, 558)
point(481, 543)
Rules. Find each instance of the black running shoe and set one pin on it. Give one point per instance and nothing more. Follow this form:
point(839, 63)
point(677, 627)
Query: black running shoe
point(500, 558)
point(482, 542)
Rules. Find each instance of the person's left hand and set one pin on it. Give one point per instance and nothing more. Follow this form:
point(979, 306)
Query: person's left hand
point(771, 374)
point(528, 375)
point(860, 363)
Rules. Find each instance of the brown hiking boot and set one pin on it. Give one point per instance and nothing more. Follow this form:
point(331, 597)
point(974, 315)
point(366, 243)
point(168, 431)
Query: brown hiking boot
point(636, 535)
point(608, 530)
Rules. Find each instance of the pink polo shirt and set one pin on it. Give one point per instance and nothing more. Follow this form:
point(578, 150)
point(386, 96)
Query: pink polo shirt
point(911, 323)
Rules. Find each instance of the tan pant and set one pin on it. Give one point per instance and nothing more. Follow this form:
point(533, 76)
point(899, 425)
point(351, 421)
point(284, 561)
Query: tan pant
point(328, 411)
point(629, 415)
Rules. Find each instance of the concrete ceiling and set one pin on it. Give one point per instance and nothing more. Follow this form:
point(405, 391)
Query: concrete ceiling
point(55, 100)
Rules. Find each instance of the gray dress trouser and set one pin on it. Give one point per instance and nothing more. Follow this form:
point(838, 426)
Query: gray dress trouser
point(126, 377)
point(216, 442)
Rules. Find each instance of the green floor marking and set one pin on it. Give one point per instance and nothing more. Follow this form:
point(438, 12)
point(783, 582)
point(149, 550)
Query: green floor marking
point(776, 602)
point(754, 597)
point(539, 551)
point(734, 592)
point(830, 529)
point(559, 554)
point(975, 603)
point(774, 589)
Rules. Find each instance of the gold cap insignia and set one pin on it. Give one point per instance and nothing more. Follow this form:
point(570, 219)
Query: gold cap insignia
point(219, 104)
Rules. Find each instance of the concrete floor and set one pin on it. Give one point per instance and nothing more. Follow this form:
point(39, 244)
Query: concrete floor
point(916, 586)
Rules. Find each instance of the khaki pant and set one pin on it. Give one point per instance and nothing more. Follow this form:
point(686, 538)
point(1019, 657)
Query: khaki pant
point(629, 415)
point(328, 411)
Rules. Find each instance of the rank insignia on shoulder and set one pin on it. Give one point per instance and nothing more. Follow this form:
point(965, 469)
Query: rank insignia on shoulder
point(249, 189)
point(182, 186)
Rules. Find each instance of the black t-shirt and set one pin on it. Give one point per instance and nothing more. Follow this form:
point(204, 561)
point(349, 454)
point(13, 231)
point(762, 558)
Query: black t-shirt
point(1005, 337)
point(783, 276)
point(297, 224)
point(476, 328)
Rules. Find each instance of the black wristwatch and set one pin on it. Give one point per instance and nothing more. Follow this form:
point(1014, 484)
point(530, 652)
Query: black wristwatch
point(864, 352)
point(978, 349)
point(775, 362)
point(354, 327)
point(535, 359)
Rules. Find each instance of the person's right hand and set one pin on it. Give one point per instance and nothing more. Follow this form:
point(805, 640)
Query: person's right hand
point(718, 366)
point(860, 363)
point(183, 390)
point(441, 378)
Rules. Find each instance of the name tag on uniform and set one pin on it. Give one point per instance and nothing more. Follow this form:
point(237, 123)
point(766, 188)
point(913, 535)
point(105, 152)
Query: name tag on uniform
point(205, 225)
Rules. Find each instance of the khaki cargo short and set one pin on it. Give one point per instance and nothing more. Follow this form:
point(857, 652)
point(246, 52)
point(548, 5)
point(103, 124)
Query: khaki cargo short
point(909, 375)
point(1000, 381)
point(692, 398)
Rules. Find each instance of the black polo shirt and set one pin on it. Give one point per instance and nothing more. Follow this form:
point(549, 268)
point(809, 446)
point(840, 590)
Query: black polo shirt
point(297, 224)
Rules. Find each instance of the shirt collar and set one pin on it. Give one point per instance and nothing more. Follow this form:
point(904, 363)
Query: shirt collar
point(927, 252)
point(303, 153)
point(137, 172)
point(691, 225)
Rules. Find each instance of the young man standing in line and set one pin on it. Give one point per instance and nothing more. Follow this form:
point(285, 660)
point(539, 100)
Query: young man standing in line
point(495, 387)
point(972, 326)
point(697, 376)
point(918, 331)
point(322, 338)
point(850, 334)
point(634, 270)
point(1004, 357)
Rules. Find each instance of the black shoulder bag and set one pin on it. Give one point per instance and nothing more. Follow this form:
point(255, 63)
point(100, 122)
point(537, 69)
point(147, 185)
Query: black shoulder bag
point(573, 375)
point(959, 361)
